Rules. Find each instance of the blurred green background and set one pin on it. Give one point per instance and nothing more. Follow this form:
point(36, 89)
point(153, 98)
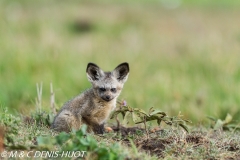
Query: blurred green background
point(184, 55)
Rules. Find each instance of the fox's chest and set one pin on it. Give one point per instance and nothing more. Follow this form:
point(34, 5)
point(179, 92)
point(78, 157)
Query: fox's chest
point(102, 111)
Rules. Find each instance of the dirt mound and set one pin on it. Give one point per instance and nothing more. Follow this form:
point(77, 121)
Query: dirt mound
point(153, 146)
point(175, 143)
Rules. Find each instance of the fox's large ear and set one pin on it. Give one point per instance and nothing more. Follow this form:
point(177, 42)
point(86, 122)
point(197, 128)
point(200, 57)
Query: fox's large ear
point(94, 73)
point(121, 72)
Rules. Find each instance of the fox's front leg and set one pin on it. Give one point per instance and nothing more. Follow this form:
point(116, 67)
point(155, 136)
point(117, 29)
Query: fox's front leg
point(93, 124)
point(98, 128)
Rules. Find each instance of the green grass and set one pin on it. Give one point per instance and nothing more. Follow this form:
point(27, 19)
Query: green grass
point(181, 59)
point(184, 59)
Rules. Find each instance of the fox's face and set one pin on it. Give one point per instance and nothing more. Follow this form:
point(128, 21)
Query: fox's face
point(107, 85)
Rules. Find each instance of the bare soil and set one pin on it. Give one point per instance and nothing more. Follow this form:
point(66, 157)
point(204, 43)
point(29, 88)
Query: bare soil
point(159, 141)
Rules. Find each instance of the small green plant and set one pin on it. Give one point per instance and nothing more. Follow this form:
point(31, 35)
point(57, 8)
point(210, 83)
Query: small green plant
point(226, 124)
point(42, 118)
point(80, 141)
point(140, 116)
point(10, 123)
point(39, 116)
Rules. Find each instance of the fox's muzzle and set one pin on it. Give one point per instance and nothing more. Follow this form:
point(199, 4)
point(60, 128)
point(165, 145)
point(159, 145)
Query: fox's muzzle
point(107, 98)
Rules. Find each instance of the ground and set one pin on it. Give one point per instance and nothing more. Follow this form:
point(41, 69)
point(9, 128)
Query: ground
point(28, 134)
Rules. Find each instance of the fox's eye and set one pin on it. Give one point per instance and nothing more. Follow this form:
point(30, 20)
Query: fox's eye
point(102, 89)
point(113, 89)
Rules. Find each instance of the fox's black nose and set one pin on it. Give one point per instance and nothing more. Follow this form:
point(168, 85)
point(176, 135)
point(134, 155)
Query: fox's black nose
point(108, 97)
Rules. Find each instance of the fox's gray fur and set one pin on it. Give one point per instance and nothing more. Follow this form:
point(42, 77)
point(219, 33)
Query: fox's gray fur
point(93, 106)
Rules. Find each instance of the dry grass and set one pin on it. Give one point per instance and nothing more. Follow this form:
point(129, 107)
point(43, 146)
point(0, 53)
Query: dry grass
point(177, 144)
point(133, 142)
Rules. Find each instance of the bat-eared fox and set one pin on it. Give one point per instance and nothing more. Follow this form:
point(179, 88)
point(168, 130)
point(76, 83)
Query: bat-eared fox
point(93, 106)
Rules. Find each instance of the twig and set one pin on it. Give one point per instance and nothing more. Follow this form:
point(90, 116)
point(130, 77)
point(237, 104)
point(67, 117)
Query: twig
point(39, 97)
point(52, 99)
point(145, 126)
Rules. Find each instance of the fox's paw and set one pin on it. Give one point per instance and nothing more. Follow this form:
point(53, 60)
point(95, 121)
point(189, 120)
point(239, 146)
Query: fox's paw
point(98, 129)
point(108, 129)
